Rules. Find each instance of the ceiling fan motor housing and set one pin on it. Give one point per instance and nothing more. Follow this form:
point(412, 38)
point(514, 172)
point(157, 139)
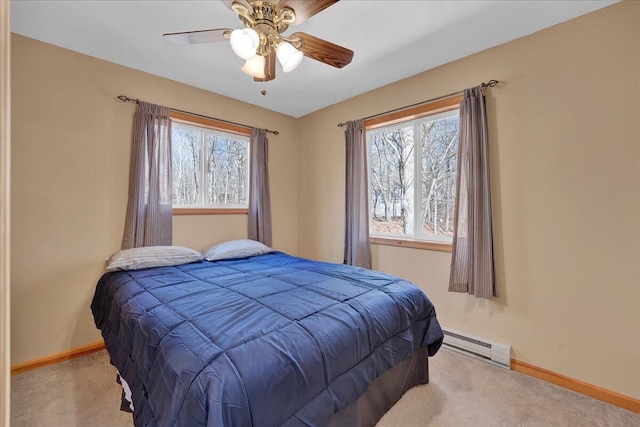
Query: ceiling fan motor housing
point(266, 20)
point(265, 17)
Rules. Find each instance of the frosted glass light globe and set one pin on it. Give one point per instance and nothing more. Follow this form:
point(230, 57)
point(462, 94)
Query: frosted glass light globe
point(254, 66)
point(245, 42)
point(288, 56)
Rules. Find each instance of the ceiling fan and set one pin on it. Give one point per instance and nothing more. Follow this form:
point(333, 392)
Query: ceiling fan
point(262, 40)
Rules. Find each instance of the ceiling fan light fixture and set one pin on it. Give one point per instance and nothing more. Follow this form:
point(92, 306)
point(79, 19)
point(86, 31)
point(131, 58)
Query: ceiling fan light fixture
point(288, 56)
point(261, 38)
point(254, 66)
point(245, 42)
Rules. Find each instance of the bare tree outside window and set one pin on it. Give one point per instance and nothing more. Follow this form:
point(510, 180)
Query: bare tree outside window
point(413, 173)
point(439, 141)
point(210, 168)
point(392, 177)
point(226, 171)
point(186, 164)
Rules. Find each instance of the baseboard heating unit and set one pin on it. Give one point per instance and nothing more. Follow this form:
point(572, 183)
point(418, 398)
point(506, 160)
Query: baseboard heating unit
point(489, 351)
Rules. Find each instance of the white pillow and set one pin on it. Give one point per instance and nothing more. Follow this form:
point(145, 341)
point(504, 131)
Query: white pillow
point(151, 256)
point(236, 249)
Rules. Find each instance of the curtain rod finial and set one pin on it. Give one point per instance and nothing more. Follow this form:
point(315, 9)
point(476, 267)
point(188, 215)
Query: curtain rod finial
point(125, 98)
point(490, 83)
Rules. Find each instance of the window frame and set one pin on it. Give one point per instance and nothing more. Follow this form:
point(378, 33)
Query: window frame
point(215, 125)
point(394, 118)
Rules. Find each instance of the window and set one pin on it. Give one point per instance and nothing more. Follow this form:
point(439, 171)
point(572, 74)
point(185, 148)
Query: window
point(210, 169)
point(412, 167)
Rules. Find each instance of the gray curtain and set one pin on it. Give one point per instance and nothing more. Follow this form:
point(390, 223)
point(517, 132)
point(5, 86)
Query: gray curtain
point(472, 263)
point(356, 227)
point(149, 220)
point(259, 194)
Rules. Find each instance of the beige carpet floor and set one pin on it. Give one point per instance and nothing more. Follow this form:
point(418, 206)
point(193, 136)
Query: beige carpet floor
point(462, 392)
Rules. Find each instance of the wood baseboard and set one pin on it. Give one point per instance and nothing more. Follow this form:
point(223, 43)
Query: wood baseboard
point(617, 399)
point(39, 362)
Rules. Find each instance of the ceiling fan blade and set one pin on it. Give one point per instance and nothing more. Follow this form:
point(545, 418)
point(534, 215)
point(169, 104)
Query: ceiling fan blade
point(245, 3)
point(323, 51)
point(305, 9)
point(269, 68)
point(195, 37)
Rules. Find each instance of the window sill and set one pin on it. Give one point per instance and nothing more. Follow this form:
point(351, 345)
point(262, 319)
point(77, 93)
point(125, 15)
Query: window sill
point(414, 244)
point(208, 211)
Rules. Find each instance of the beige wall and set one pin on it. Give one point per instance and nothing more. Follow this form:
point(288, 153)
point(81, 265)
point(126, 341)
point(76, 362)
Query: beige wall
point(565, 140)
point(70, 166)
point(5, 201)
point(565, 178)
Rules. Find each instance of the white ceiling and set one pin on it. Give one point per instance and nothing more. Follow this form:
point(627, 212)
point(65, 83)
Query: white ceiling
point(391, 40)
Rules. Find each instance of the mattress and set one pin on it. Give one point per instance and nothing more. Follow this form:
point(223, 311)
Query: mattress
point(268, 340)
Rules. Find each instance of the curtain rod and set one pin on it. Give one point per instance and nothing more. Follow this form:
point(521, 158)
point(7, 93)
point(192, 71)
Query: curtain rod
point(124, 98)
point(490, 83)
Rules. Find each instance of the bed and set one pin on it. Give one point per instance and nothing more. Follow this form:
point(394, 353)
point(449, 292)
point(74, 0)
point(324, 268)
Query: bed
point(265, 340)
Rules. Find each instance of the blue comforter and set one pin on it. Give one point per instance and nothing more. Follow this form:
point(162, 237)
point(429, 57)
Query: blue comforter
point(264, 341)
